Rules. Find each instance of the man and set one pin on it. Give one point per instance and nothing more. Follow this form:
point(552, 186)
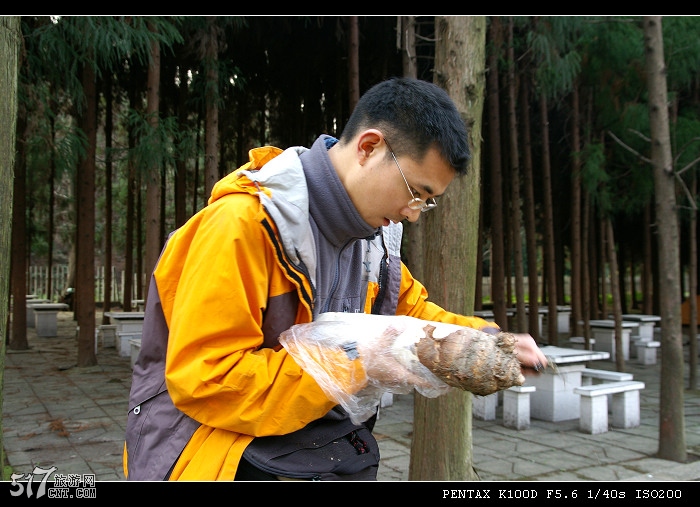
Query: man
point(287, 237)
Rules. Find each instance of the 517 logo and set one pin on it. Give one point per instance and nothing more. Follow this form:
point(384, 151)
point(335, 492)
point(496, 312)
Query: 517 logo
point(30, 484)
point(64, 486)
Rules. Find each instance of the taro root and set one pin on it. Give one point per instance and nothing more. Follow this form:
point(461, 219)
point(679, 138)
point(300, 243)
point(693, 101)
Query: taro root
point(472, 360)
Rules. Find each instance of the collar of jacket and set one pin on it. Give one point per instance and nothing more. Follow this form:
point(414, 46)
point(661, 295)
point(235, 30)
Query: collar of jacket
point(330, 206)
point(284, 195)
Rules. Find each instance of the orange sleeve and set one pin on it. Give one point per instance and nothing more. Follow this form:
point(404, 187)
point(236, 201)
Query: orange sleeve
point(413, 301)
point(214, 278)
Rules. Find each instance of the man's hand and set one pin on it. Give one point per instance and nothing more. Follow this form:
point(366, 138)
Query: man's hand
point(390, 367)
point(530, 356)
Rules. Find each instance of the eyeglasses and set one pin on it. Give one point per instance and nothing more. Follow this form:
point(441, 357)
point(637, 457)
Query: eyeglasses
point(416, 203)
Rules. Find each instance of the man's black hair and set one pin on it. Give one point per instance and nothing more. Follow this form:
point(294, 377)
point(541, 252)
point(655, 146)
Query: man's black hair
point(414, 115)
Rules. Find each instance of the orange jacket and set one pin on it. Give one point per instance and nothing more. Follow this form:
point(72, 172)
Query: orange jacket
point(215, 279)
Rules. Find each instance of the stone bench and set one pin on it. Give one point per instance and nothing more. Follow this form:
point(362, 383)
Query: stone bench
point(129, 326)
point(516, 407)
point(46, 318)
point(124, 342)
point(107, 335)
point(579, 342)
point(484, 407)
point(590, 376)
point(645, 331)
point(127, 322)
point(646, 351)
point(604, 334)
point(646, 323)
point(594, 405)
point(563, 319)
point(31, 316)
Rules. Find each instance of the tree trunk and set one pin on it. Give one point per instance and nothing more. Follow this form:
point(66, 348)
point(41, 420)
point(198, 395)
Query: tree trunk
point(211, 130)
point(498, 267)
point(621, 263)
point(138, 241)
point(594, 277)
point(51, 224)
point(107, 294)
point(549, 255)
point(154, 241)
point(671, 410)
point(479, 282)
point(132, 190)
point(442, 428)
point(10, 36)
point(647, 275)
point(586, 213)
point(180, 162)
point(530, 220)
point(693, 290)
point(195, 170)
point(85, 230)
point(576, 294)
point(406, 34)
point(353, 62)
point(603, 295)
point(413, 231)
point(521, 314)
point(18, 336)
point(616, 296)
point(585, 233)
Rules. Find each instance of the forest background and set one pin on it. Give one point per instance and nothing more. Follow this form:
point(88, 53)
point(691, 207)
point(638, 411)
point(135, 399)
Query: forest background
point(125, 123)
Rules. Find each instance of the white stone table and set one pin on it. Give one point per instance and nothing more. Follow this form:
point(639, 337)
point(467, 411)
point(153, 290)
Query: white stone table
point(604, 335)
point(554, 398)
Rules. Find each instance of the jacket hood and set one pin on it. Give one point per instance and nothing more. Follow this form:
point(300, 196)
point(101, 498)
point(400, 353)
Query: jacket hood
point(277, 178)
point(257, 157)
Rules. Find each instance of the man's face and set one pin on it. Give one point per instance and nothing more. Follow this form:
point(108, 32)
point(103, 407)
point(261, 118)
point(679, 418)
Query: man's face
point(404, 186)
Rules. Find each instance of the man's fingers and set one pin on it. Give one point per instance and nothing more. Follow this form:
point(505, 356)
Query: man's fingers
point(529, 354)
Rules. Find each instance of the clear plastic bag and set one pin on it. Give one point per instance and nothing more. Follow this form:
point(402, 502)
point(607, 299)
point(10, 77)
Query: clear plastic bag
point(384, 344)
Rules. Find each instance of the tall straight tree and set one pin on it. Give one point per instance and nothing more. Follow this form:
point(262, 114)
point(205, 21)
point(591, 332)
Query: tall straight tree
point(153, 178)
point(548, 255)
point(413, 232)
point(88, 44)
point(555, 67)
point(10, 37)
point(498, 263)
point(85, 222)
point(107, 294)
point(693, 289)
point(353, 61)
point(529, 205)
point(211, 96)
point(442, 427)
point(614, 269)
point(521, 315)
point(576, 200)
point(18, 336)
point(671, 410)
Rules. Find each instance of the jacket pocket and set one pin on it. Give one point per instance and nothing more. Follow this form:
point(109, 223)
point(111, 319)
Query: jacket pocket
point(352, 456)
point(156, 434)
